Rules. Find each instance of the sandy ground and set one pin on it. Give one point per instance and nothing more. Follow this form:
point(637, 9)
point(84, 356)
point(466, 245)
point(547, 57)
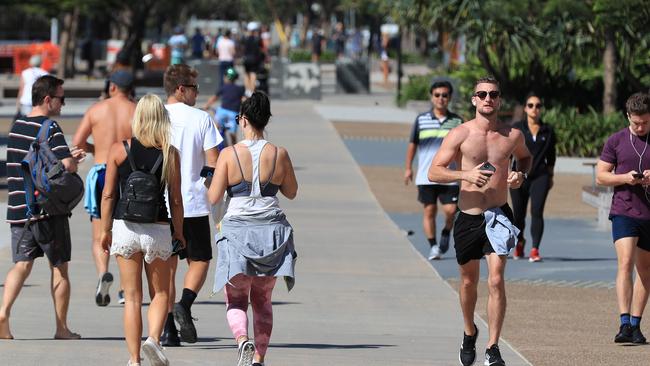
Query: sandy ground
point(549, 325)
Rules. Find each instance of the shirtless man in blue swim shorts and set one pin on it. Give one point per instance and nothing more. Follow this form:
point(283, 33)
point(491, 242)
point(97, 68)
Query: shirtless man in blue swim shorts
point(481, 149)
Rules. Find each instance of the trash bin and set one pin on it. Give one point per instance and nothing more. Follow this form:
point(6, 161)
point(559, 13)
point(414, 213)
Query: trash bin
point(352, 76)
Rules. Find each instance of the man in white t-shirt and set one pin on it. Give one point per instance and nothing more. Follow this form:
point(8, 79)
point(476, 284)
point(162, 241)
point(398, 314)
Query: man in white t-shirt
point(27, 79)
point(225, 48)
point(195, 135)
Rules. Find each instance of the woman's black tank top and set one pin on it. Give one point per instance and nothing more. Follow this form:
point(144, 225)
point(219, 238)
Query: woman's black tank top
point(144, 158)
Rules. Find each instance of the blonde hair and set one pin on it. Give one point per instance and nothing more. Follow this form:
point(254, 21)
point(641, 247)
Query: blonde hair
point(152, 127)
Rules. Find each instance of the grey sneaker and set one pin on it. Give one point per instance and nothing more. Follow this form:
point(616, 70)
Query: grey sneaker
point(246, 353)
point(434, 253)
point(101, 295)
point(154, 353)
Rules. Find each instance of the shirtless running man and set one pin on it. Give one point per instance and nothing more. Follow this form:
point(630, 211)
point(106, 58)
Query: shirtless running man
point(108, 121)
point(482, 148)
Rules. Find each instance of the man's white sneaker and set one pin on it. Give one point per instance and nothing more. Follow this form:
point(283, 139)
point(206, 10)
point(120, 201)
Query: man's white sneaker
point(434, 253)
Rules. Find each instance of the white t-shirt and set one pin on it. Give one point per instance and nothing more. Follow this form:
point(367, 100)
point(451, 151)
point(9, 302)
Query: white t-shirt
point(29, 77)
point(193, 132)
point(226, 49)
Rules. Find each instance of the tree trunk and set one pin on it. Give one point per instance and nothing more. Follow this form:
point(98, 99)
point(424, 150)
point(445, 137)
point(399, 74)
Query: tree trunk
point(609, 73)
point(65, 68)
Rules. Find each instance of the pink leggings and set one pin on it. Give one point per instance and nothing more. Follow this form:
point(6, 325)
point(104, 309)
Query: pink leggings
point(237, 294)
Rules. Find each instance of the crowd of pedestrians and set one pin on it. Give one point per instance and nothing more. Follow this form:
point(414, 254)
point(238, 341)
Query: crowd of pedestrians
point(161, 167)
point(147, 197)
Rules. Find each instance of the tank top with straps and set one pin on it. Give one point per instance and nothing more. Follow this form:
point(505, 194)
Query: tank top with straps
point(252, 197)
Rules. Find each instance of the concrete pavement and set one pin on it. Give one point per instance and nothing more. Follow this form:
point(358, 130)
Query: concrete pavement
point(363, 295)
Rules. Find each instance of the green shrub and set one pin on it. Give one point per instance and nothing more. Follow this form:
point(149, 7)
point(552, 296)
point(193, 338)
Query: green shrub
point(303, 55)
point(417, 88)
point(582, 135)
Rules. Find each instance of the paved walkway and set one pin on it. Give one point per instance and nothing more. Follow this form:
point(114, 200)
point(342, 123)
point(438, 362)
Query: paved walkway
point(363, 295)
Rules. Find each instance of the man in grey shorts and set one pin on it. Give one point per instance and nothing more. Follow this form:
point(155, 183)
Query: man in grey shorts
point(45, 235)
point(428, 131)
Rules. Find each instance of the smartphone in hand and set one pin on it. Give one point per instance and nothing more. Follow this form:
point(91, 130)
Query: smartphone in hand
point(488, 166)
point(638, 175)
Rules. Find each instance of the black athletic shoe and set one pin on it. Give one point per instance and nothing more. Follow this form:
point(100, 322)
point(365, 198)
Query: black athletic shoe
point(170, 338)
point(467, 354)
point(493, 357)
point(185, 322)
point(637, 336)
point(624, 334)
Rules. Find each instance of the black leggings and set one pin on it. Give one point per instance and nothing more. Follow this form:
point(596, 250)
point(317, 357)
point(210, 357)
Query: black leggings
point(537, 189)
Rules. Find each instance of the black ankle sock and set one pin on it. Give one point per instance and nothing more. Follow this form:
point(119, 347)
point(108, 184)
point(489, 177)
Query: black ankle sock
point(432, 242)
point(169, 323)
point(188, 297)
point(445, 232)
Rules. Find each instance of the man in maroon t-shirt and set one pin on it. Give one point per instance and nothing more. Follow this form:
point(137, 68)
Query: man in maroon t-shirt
point(625, 165)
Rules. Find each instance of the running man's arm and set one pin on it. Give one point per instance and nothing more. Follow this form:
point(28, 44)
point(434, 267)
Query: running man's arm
point(439, 171)
point(524, 162)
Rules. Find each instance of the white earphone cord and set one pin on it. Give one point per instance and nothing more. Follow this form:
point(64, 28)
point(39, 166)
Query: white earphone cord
point(645, 188)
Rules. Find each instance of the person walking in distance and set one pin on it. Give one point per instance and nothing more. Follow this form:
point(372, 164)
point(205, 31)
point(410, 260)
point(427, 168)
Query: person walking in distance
point(253, 57)
point(136, 231)
point(482, 148)
point(195, 136)
point(108, 122)
point(625, 165)
point(540, 140)
point(231, 97)
point(428, 132)
point(46, 235)
point(226, 51)
point(255, 243)
point(27, 79)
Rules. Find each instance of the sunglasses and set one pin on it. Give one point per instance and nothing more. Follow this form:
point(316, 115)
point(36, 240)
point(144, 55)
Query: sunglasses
point(531, 105)
point(438, 95)
point(483, 94)
point(193, 86)
point(62, 98)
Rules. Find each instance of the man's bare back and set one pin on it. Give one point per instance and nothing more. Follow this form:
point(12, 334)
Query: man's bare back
point(108, 121)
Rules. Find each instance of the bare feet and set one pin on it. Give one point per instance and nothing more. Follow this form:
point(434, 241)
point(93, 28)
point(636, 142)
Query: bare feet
point(67, 335)
point(5, 332)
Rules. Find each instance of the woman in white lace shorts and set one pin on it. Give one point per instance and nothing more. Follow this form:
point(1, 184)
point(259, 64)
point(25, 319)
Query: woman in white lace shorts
point(135, 223)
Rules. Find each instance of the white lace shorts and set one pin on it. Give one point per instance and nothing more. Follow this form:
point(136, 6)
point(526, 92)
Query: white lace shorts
point(153, 240)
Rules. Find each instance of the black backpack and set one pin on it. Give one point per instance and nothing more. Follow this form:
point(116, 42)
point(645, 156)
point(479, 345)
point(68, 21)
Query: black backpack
point(49, 188)
point(140, 196)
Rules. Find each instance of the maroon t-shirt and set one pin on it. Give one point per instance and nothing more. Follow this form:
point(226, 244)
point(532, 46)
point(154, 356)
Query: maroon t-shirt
point(628, 152)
